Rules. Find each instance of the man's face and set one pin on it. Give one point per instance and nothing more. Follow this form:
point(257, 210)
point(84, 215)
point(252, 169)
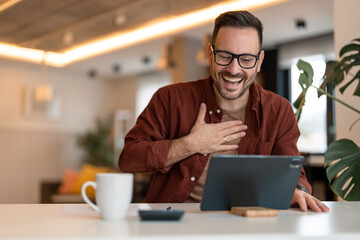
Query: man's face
point(233, 81)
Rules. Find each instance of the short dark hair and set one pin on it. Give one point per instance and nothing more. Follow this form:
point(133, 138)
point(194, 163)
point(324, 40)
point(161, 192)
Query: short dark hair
point(241, 19)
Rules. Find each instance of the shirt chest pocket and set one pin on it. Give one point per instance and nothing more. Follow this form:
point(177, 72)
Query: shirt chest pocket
point(264, 148)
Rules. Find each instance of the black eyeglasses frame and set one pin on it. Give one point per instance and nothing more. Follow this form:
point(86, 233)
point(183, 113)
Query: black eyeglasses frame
point(237, 56)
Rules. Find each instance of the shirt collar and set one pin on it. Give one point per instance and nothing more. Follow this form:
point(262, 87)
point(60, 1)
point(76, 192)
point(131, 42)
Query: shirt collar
point(210, 100)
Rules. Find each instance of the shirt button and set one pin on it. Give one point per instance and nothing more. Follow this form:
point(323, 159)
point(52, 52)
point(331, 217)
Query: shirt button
point(210, 112)
point(192, 179)
point(218, 110)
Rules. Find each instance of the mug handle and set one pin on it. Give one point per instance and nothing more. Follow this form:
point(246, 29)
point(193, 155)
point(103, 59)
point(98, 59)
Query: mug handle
point(85, 197)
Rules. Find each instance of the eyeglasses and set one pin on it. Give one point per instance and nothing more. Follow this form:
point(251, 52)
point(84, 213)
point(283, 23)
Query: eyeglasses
point(224, 58)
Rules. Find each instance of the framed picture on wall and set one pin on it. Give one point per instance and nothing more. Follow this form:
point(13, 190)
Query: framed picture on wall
point(42, 100)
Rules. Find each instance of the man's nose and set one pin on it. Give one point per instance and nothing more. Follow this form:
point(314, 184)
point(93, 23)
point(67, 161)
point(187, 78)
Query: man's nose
point(234, 67)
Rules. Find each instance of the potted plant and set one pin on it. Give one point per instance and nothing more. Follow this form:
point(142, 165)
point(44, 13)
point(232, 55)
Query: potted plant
point(342, 158)
point(98, 144)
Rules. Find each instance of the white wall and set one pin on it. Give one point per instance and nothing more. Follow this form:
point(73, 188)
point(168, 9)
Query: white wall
point(317, 45)
point(91, 96)
point(346, 23)
point(33, 149)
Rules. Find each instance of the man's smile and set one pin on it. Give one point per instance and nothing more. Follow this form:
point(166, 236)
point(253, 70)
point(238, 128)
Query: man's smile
point(232, 79)
point(231, 83)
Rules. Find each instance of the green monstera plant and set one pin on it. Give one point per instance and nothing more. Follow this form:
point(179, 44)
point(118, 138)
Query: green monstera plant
point(342, 158)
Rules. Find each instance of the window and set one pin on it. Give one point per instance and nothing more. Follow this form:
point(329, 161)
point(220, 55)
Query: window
point(312, 123)
point(148, 85)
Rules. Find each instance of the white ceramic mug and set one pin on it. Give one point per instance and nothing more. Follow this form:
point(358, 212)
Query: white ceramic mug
point(113, 194)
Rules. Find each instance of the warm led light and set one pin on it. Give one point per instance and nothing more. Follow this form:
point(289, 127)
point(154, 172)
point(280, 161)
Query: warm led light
point(155, 30)
point(21, 53)
point(8, 4)
point(32, 55)
point(165, 27)
point(55, 59)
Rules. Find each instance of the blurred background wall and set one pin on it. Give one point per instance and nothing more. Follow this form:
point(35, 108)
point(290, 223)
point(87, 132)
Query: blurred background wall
point(39, 147)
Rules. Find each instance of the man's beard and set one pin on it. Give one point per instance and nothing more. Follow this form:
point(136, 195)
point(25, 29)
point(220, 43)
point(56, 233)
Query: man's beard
point(224, 93)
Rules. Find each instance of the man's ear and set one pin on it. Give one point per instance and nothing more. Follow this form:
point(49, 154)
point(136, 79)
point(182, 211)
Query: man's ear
point(209, 52)
point(260, 61)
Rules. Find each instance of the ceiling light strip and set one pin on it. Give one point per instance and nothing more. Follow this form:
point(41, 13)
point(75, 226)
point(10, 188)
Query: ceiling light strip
point(20, 53)
point(114, 42)
point(8, 4)
point(163, 28)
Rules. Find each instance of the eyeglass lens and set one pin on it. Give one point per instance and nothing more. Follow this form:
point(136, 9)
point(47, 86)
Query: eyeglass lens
point(225, 58)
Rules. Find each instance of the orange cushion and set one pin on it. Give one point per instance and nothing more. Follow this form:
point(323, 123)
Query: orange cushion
point(88, 173)
point(68, 182)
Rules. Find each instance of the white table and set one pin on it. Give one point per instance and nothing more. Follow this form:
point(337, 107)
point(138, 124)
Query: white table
point(78, 221)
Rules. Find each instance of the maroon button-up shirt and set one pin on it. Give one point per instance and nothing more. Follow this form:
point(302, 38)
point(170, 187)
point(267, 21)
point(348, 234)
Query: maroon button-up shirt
point(171, 113)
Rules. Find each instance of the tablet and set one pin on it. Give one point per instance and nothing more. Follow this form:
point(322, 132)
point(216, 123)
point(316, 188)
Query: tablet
point(250, 180)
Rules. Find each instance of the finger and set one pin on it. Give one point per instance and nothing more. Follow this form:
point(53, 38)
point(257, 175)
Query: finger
point(321, 206)
point(229, 124)
point(301, 201)
point(313, 204)
point(201, 114)
point(232, 137)
point(324, 208)
point(236, 130)
point(226, 147)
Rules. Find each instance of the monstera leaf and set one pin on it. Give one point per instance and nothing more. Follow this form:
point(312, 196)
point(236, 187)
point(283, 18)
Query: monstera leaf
point(336, 70)
point(334, 75)
point(305, 81)
point(342, 159)
point(342, 163)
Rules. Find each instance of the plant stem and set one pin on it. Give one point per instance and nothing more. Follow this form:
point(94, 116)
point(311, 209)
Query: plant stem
point(357, 120)
point(336, 99)
point(298, 112)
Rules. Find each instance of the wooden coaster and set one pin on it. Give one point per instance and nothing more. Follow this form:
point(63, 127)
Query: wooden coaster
point(254, 211)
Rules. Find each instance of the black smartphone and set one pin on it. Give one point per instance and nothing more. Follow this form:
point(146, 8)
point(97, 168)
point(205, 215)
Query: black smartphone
point(161, 215)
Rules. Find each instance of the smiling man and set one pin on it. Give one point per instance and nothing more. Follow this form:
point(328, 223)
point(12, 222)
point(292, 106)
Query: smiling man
point(227, 113)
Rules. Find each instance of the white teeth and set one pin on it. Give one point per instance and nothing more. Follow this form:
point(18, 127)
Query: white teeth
point(232, 79)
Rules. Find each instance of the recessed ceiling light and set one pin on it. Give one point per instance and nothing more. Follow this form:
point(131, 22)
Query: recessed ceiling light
point(119, 20)
point(300, 24)
point(68, 38)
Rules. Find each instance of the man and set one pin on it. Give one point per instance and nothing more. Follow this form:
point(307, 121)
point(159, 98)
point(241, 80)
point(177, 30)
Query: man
point(184, 124)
